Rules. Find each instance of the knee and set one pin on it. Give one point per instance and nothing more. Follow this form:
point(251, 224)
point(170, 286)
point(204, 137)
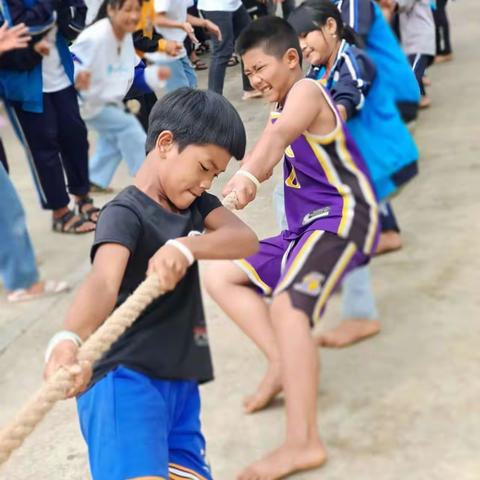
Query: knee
point(216, 278)
point(212, 279)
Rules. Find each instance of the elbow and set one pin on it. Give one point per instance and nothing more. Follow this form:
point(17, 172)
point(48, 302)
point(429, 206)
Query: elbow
point(249, 244)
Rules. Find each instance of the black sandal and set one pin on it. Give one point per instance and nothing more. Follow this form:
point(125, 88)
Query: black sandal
point(87, 215)
point(199, 65)
point(60, 224)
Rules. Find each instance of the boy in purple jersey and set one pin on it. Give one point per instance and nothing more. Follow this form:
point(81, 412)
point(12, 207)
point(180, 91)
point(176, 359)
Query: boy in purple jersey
point(332, 219)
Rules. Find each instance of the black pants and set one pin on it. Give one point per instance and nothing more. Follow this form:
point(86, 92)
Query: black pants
point(57, 146)
point(231, 25)
point(419, 63)
point(442, 28)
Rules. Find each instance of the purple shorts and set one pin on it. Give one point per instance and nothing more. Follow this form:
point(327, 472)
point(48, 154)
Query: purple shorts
point(308, 268)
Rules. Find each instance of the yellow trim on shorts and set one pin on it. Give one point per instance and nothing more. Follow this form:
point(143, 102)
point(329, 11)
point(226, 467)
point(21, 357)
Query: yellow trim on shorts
point(332, 279)
point(253, 276)
point(189, 474)
point(300, 259)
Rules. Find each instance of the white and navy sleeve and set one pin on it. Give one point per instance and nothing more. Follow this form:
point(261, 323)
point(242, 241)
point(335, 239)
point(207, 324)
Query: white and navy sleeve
point(358, 15)
point(354, 78)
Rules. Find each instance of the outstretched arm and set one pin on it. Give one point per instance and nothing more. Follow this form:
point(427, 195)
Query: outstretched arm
point(302, 109)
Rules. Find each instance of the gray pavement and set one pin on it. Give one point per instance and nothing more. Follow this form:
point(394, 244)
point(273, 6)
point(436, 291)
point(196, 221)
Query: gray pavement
point(402, 406)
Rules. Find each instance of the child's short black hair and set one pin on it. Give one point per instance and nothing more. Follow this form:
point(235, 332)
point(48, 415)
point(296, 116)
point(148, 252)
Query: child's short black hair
point(273, 34)
point(197, 117)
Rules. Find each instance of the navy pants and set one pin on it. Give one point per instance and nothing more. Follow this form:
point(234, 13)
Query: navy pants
point(442, 28)
point(231, 25)
point(57, 147)
point(420, 62)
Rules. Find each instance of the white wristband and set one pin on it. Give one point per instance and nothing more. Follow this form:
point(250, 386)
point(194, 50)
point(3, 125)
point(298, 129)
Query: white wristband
point(183, 249)
point(250, 176)
point(60, 337)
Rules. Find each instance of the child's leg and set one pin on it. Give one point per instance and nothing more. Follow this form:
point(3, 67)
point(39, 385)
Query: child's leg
point(359, 312)
point(390, 238)
point(189, 72)
point(106, 158)
point(186, 444)
point(303, 448)
point(316, 265)
point(124, 419)
point(232, 290)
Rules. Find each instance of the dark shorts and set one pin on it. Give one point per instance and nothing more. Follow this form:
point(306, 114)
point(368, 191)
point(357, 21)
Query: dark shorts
point(308, 268)
point(137, 426)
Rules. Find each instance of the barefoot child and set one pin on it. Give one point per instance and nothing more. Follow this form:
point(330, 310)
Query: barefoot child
point(332, 220)
point(140, 414)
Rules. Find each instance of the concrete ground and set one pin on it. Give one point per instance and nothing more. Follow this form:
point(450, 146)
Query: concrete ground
point(402, 406)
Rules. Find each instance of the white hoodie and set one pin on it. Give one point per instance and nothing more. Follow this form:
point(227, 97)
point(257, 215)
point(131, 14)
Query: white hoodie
point(111, 63)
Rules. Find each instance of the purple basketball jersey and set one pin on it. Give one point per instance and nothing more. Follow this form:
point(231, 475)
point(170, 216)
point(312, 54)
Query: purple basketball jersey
point(327, 186)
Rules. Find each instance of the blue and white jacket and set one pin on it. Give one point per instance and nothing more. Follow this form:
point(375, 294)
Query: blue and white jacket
point(373, 119)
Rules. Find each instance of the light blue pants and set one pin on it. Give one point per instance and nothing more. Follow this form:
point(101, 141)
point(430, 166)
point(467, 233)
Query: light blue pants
point(17, 260)
point(358, 299)
point(120, 136)
point(182, 74)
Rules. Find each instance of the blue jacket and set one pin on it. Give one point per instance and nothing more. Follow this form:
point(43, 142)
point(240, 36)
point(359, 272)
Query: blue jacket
point(26, 86)
point(373, 119)
point(366, 18)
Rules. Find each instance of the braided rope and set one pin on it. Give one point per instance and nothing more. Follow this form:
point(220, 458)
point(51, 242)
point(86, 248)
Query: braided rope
point(57, 386)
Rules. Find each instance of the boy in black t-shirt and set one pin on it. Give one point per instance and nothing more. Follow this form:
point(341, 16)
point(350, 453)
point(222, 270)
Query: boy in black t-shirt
point(140, 414)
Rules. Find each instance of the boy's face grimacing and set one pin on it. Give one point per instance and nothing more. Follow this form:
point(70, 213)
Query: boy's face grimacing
point(186, 175)
point(270, 75)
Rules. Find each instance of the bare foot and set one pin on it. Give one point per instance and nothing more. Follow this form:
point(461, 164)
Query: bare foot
point(286, 460)
point(443, 58)
point(348, 333)
point(390, 241)
point(269, 388)
point(425, 102)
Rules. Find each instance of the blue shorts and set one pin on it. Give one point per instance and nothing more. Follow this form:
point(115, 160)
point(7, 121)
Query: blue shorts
point(136, 426)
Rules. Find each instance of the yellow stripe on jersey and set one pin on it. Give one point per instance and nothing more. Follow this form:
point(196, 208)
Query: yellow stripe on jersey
point(253, 275)
point(289, 152)
point(299, 261)
point(332, 279)
point(366, 189)
point(343, 190)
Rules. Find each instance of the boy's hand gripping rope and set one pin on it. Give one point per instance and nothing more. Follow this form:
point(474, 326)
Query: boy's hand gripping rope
point(57, 386)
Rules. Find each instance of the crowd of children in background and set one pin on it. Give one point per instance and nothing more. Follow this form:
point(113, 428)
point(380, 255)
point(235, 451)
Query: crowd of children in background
point(71, 67)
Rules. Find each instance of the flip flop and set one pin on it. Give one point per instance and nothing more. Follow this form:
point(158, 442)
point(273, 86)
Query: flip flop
point(199, 65)
point(50, 287)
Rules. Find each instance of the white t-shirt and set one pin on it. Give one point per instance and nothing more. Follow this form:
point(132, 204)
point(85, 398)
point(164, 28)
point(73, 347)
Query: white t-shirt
point(54, 77)
point(219, 5)
point(174, 10)
point(111, 64)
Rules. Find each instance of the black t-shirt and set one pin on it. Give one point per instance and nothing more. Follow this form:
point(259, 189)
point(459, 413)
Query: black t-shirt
point(169, 340)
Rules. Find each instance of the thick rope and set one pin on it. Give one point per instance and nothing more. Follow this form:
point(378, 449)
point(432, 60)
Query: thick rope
point(57, 386)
